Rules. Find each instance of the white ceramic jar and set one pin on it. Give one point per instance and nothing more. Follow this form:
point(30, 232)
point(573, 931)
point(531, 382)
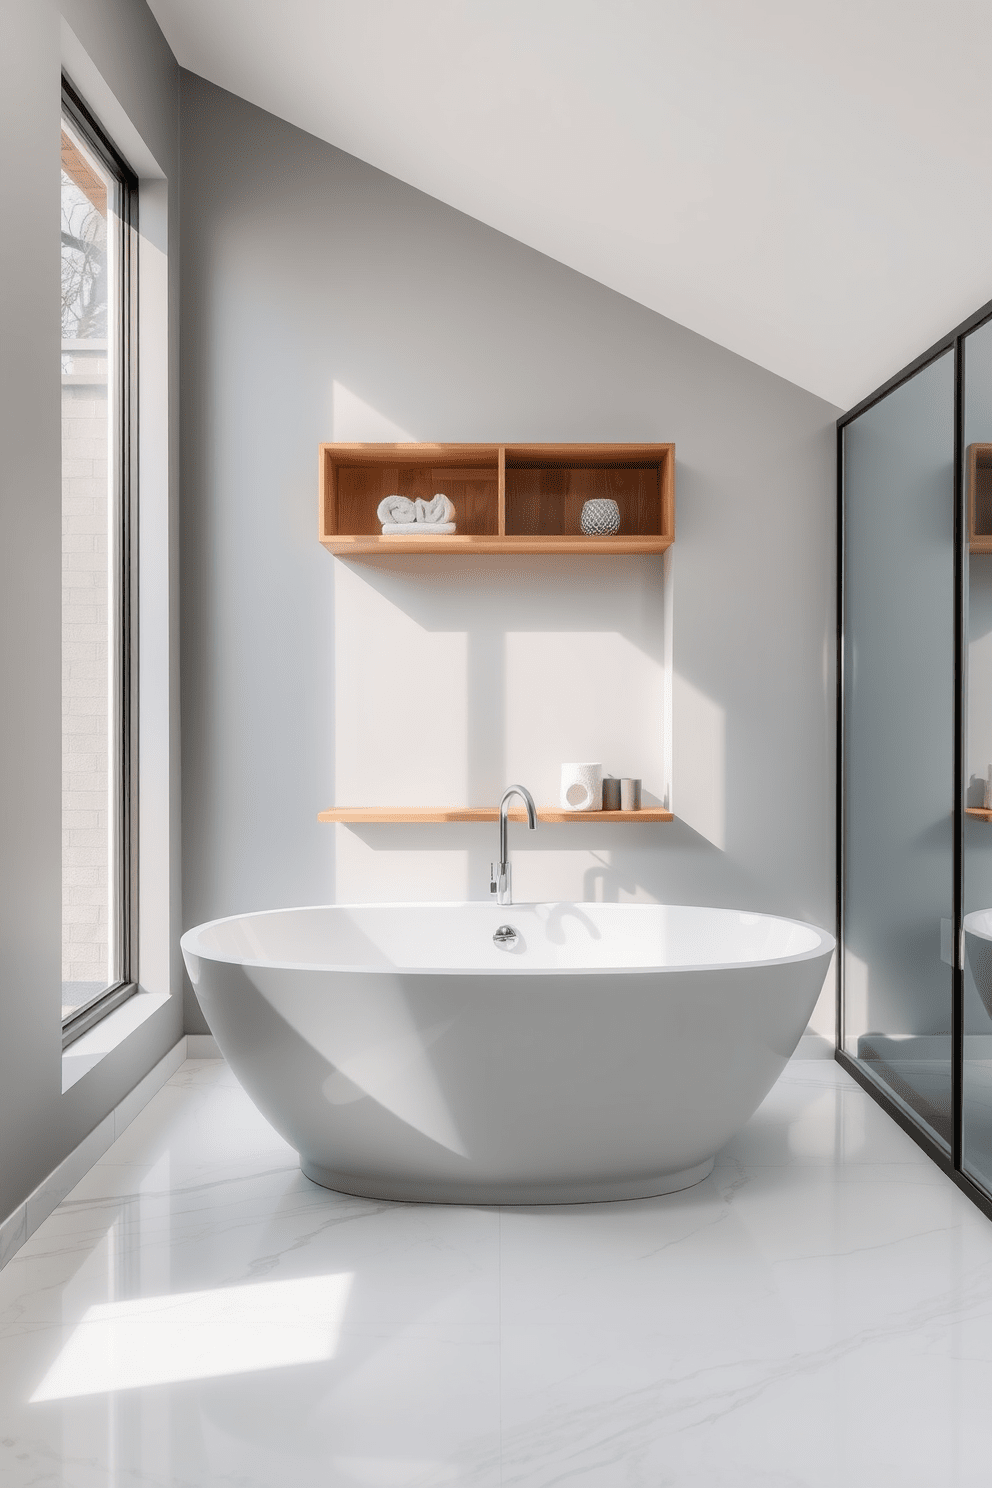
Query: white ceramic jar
point(582, 787)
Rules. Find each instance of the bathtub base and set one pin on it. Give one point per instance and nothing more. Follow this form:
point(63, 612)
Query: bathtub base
point(423, 1191)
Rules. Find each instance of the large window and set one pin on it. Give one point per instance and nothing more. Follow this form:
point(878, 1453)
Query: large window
point(98, 686)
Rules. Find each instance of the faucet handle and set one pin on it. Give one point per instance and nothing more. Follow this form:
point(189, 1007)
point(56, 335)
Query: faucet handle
point(492, 878)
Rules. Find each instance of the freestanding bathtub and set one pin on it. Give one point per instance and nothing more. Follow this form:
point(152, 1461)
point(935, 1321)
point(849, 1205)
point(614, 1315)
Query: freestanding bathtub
point(608, 1052)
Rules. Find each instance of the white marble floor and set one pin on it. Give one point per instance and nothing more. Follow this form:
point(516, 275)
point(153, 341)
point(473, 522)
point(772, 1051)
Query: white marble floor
point(818, 1312)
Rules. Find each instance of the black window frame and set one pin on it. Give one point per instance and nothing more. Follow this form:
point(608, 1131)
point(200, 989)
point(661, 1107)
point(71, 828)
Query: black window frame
point(125, 390)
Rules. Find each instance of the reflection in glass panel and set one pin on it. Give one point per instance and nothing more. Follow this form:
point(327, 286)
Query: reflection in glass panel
point(977, 1081)
point(899, 752)
point(90, 578)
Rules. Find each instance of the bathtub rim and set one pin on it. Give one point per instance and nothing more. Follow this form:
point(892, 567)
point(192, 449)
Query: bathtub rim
point(825, 946)
point(971, 926)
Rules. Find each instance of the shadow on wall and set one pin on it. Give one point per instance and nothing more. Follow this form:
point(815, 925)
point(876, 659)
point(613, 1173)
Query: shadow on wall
point(623, 862)
point(455, 676)
point(571, 665)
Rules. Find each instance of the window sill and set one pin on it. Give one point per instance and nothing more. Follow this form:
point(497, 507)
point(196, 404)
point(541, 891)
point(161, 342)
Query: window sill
point(88, 1050)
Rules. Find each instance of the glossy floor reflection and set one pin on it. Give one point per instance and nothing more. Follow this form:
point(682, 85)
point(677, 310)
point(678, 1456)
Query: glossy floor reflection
point(817, 1312)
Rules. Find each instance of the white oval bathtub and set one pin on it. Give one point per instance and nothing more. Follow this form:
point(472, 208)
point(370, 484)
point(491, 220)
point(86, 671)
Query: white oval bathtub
point(609, 1053)
point(978, 951)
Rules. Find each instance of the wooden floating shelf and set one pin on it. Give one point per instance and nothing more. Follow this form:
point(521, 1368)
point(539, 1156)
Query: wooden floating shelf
point(522, 498)
point(978, 812)
point(979, 507)
point(437, 814)
point(352, 546)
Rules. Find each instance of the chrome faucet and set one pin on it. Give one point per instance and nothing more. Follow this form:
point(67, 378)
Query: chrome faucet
point(499, 873)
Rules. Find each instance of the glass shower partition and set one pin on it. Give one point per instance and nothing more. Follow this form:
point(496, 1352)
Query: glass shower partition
point(897, 789)
point(976, 1082)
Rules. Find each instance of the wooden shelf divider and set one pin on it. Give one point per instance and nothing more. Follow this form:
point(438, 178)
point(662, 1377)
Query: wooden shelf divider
point(440, 814)
point(501, 492)
point(980, 813)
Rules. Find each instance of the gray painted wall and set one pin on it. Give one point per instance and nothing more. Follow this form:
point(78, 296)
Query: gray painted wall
point(121, 42)
point(322, 299)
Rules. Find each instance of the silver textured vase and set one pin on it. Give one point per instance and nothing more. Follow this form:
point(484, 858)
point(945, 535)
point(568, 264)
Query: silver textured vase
point(600, 518)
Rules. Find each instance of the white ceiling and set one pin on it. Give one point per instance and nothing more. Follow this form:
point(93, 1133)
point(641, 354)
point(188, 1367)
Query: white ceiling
point(807, 184)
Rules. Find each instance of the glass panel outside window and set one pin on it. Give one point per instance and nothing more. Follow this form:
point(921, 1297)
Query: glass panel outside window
point(92, 708)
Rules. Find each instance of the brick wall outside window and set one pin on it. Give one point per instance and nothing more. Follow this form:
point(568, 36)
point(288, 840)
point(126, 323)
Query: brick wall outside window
point(86, 692)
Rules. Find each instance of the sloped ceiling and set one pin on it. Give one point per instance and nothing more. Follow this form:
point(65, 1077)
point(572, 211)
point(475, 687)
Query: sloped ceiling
point(806, 184)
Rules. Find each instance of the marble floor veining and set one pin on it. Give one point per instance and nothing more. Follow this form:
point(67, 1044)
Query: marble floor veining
point(817, 1312)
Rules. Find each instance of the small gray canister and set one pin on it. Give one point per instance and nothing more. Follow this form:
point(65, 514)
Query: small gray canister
point(630, 794)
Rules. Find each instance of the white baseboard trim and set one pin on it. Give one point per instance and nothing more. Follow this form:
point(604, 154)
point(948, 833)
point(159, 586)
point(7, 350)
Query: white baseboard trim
point(26, 1218)
point(814, 1046)
point(202, 1046)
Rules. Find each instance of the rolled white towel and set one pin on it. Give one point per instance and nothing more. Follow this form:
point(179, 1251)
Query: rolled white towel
point(417, 529)
point(441, 509)
point(396, 509)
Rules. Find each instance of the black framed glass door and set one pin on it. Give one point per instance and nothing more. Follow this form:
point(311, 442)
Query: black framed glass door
point(914, 791)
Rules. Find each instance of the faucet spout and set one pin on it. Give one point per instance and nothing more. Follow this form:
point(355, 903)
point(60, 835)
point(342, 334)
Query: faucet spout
point(500, 874)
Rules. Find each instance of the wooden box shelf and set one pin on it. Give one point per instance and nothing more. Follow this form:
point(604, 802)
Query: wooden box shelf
point(524, 498)
point(394, 814)
point(980, 498)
